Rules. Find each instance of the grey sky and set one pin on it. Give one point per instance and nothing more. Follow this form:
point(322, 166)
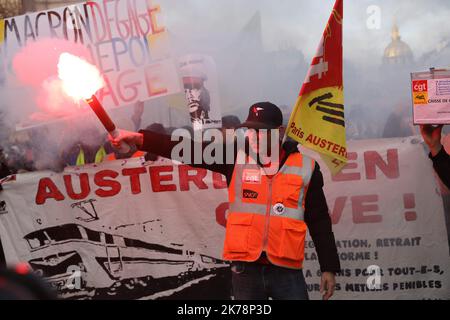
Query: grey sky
point(423, 23)
point(211, 26)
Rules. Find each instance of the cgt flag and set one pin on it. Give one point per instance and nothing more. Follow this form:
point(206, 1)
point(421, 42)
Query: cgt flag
point(318, 121)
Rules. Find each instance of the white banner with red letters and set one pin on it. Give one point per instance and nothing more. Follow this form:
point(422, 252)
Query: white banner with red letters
point(135, 230)
point(390, 224)
point(124, 229)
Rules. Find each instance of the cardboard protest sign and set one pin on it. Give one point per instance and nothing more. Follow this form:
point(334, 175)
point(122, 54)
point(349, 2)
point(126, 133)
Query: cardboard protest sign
point(126, 40)
point(431, 97)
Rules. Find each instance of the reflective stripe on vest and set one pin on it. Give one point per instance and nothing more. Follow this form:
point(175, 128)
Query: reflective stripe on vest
point(81, 158)
point(267, 214)
point(99, 156)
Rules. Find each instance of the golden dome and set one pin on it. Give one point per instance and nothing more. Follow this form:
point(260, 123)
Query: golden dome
point(397, 51)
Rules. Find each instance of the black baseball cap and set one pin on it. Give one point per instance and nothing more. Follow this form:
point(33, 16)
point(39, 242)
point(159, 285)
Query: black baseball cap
point(264, 115)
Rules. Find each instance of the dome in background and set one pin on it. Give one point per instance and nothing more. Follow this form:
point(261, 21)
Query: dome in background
point(398, 51)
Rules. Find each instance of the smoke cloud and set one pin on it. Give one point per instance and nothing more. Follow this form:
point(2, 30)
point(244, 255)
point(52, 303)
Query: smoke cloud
point(262, 50)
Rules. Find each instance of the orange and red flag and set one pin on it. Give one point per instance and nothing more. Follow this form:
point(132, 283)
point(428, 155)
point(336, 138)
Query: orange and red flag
point(318, 119)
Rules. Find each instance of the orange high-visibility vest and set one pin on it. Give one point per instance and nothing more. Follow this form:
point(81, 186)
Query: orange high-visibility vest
point(267, 213)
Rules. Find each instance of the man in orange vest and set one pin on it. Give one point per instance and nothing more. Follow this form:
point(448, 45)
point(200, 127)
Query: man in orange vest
point(269, 213)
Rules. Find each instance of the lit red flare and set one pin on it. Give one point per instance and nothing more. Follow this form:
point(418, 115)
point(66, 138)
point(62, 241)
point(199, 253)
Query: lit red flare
point(80, 81)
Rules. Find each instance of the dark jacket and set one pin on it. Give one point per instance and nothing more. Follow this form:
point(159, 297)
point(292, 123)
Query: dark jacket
point(317, 215)
point(441, 163)
point(2, 256)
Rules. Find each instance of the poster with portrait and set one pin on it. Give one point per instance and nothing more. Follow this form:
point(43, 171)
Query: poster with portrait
point(200, 82)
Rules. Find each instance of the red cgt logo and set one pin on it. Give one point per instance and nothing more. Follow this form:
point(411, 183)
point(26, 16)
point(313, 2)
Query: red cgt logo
point(420, 86)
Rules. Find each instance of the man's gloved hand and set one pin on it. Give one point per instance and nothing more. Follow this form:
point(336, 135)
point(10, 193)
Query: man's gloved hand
point(432, 137)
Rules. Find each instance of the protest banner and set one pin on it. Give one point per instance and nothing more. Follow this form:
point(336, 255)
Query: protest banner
point(119, 230)
point(125, 39)
point(390, 224)
point(135, 230)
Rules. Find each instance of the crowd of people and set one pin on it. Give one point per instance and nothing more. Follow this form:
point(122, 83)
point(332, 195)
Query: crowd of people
point(34, 150)
point(25, 153)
